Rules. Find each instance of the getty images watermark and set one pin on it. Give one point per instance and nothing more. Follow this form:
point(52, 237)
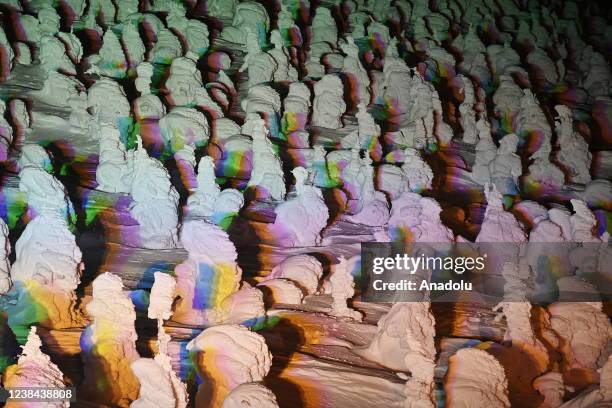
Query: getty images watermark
point(465, 272)
point(412, 264)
